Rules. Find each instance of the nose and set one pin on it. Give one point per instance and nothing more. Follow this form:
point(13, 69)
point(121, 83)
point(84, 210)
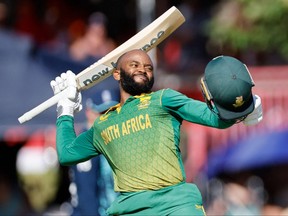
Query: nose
point(141, 68)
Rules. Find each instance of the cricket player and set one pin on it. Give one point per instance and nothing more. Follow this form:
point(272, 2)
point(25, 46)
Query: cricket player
point(139, 137)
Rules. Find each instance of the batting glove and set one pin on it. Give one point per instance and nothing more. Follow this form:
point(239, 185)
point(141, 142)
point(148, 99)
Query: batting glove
point(256, 116)
point(71, 102)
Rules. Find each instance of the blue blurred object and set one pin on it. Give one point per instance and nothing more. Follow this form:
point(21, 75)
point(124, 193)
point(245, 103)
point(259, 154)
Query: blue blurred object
point(94, 187)
point(93, 179)
point(103, 100)
point(255, 151)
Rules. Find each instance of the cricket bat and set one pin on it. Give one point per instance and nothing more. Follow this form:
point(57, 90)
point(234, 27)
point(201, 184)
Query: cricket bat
point(147, 39)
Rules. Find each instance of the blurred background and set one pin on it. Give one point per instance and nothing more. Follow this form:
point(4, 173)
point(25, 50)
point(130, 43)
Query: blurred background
point(240, 171)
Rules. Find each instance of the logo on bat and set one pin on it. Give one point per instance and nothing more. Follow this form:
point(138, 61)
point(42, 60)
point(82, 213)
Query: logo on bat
point(153, 41)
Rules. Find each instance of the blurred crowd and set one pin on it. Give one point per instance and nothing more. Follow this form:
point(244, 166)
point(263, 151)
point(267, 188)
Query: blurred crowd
point(41, 39)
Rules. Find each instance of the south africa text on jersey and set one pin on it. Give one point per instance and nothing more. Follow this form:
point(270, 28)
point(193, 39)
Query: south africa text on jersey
point(133, 125)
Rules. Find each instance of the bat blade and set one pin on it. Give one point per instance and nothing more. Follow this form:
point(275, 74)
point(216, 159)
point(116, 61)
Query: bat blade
point(147, 39)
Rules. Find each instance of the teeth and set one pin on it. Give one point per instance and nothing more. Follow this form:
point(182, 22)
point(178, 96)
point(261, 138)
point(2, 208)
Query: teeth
point(142, 76)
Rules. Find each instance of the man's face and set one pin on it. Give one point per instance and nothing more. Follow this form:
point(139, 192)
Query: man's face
point(136, 74)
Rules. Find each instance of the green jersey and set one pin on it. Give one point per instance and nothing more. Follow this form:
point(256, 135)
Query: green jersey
point(140, 139)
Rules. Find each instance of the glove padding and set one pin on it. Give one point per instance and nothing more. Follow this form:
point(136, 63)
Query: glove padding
point(256, 116)
point(71, 103)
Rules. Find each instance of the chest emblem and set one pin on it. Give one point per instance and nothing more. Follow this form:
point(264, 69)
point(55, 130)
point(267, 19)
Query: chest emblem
point(144, 102)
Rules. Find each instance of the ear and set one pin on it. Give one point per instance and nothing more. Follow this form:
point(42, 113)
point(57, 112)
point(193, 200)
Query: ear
point(116, 74)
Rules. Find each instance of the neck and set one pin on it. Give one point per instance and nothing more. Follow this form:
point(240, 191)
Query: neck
point(124, 96)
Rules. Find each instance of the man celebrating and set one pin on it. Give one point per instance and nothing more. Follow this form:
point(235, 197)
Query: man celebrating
point(140, 136)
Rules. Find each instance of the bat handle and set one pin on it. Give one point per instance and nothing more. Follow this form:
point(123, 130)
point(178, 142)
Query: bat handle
point(42, 107)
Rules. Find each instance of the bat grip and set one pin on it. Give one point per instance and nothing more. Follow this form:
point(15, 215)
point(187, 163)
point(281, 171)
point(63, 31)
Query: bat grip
point(42, 107)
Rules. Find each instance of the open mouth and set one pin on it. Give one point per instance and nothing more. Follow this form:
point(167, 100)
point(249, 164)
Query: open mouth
point(141, 77)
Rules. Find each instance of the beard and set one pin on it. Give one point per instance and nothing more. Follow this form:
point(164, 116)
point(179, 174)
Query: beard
point(133, 88)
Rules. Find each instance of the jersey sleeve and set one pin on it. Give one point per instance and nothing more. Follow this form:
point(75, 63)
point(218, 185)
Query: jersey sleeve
point(71, 149)
point(191, 110)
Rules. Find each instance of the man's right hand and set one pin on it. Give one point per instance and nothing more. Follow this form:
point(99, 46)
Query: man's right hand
point(72, 101)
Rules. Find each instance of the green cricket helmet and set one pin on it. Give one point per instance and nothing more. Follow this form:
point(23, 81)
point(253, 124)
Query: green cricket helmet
point(227, 84)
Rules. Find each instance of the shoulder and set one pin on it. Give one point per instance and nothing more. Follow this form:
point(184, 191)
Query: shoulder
point(167, 92)
point(169, 97)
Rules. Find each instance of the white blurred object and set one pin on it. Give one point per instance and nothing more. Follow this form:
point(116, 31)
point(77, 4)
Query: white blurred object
point(32, 160)
point(257, 115)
